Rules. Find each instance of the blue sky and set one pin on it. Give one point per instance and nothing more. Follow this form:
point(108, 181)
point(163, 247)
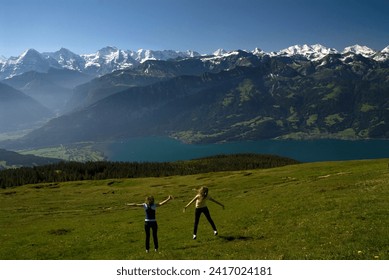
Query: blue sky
point(84, 26)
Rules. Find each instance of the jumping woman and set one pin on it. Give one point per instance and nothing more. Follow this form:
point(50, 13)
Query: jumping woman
point(201, 207)
point(150, 220)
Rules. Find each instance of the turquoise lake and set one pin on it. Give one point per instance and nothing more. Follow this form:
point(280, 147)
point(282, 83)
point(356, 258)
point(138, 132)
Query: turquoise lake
point(161, 149)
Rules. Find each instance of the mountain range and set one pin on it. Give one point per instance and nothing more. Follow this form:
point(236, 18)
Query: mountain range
point(109, 59)
point(102, 62)
point(303, 92)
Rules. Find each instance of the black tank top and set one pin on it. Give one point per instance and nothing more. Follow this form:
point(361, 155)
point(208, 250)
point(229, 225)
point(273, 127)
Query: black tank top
point(150, 212)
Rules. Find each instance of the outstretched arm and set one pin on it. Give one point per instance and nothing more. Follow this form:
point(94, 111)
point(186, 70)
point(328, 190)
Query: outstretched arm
point(165, 201)
point(193, 200)
point(217, 202)
point(135, 204)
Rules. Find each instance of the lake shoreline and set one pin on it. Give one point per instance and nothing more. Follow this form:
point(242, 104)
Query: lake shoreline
point(162, 149)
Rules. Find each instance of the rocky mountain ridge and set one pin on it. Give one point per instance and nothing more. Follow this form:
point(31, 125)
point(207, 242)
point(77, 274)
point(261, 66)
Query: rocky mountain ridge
point(102, 62)
point(109, 59)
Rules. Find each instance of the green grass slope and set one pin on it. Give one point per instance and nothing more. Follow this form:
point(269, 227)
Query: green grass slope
point(329, 210)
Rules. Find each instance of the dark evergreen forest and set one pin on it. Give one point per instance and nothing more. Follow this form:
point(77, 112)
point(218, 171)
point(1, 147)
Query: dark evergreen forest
point(77, 171)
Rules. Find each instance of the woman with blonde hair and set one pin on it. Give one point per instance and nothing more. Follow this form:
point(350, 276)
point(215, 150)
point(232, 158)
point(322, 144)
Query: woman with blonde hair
point(150, 219)
point(201, 207)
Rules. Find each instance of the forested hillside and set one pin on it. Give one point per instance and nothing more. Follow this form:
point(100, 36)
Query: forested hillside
point(9, 159)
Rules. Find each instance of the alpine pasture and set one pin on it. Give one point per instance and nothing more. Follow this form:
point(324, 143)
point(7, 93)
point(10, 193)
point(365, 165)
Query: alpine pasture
point(324, 210)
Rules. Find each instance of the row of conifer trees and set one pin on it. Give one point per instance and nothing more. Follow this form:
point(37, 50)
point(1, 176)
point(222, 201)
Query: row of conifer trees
point(77, 171)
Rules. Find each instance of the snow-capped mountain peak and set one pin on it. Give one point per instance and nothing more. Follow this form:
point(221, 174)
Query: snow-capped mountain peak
point(30, 54)
point(385, 50)
point(258, 52)
point(29, 60)
point(107, 50)
point(358, 49)
point(323, 50)
point(67, 59)
point(142, 55)
point(312, 52)
point(296, 49)
point(100, 54)
point(63, 53)
point(382, 55)
point(106, 60)
point(220, 52)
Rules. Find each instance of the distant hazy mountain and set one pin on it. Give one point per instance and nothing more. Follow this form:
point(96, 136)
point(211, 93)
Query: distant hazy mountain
point(19, 111)
point(53, 89)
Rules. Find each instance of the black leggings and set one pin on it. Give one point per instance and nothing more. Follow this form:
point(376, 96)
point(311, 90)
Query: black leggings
point(197, 218)
point(154, 227)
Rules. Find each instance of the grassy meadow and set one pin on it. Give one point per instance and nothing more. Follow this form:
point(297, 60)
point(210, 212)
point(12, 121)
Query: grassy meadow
point(326, 210)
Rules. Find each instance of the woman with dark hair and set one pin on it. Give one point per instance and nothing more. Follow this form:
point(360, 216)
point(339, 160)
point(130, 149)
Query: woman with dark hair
point(150, 219)
point(201, 207)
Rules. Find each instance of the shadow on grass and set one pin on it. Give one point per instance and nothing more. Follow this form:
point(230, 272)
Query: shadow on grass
point(229, 238)
point(189, 246)
point(234, 238)
point(61, 231)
